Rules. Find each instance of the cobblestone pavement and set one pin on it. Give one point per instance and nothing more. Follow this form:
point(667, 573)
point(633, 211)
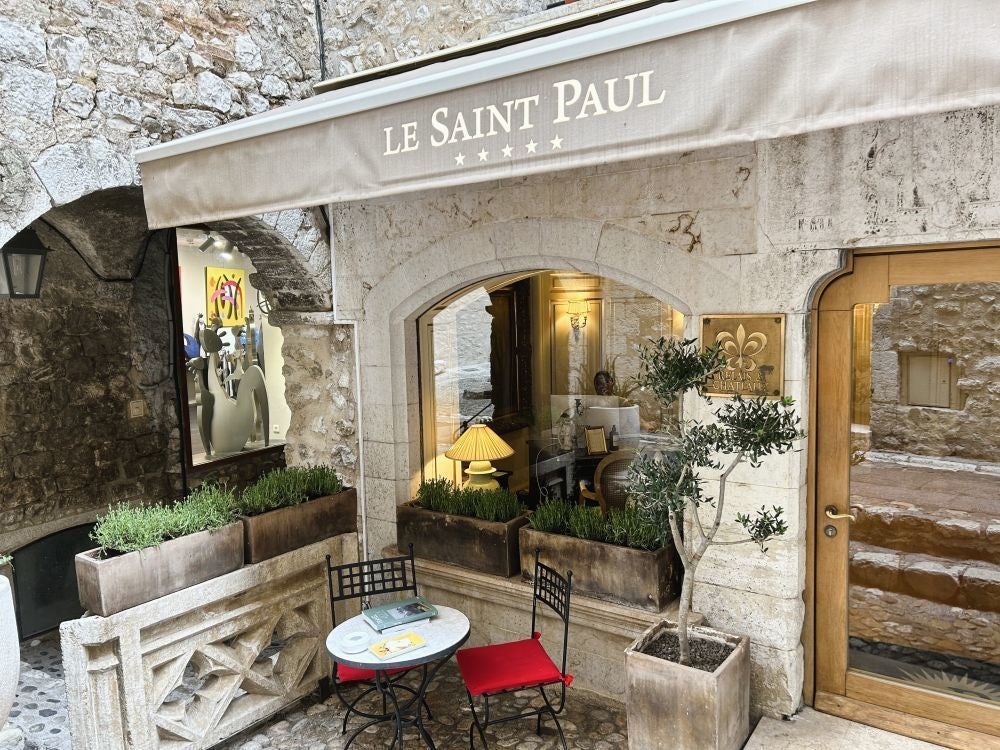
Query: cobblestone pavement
point(590, 723)
point(39, 712)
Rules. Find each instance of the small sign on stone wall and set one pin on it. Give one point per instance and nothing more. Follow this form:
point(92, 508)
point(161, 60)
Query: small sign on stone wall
point(754, 348)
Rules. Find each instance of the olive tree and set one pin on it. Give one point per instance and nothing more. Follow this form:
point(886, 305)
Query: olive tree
point(669, 485)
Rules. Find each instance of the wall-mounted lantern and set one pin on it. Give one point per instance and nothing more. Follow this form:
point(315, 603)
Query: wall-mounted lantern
point(577, 311)
point(22, 263)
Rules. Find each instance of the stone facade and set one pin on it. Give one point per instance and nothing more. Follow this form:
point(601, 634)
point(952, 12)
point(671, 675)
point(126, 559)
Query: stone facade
point(71, 363)
point(956, 320)
point(750, 228)
point(84, 84)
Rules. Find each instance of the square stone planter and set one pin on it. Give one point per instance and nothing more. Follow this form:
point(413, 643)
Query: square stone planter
point(285, 529)
point(683, 708)
point(635, 577)
point(7, 571)
point(486, 546)
point(125, 581)
point(10, 655)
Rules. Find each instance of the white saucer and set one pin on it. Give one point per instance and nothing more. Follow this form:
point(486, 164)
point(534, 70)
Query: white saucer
point(354, 643)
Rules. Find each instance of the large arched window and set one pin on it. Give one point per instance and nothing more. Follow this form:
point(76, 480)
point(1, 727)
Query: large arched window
point(542, 358)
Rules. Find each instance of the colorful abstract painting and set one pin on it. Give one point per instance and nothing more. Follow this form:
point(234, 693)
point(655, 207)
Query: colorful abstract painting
point(224, 295)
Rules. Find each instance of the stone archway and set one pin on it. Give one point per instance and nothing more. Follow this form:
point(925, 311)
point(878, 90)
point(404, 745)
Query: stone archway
point(97, 342)
point(386, 308)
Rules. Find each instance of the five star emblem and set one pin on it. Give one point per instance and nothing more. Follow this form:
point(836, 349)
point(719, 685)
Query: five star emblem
point(508, 151)
point(531, 146)
point(556, 142)
point(460, 160)
point(483, 155)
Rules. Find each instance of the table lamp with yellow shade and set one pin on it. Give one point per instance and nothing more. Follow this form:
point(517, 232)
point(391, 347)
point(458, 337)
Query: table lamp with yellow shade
point(479, 445)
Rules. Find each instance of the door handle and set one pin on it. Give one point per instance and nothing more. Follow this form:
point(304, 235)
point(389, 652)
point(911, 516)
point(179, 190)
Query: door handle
point(833, 515)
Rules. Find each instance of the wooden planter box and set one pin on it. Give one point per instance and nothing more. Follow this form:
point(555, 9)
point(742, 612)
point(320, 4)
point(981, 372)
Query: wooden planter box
point(674, 707)
point(279, 531)
point(635, 577)
point(125, 581)
point(486, 546)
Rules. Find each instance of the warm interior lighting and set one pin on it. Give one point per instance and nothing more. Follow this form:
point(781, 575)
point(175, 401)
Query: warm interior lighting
point(577, 310)
point(478, 446)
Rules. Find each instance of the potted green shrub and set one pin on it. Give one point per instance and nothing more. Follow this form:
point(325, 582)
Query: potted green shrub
point(476, 529)
point(620, 557)
point(295, 507)
point(145, 552)
point(689, 687)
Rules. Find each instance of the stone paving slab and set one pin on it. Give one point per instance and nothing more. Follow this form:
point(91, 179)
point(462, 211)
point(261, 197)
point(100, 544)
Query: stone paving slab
point(811, 730)
point(590, 723)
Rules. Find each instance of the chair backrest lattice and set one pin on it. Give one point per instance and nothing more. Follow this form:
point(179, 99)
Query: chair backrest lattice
point(552, 589)
point(360, 580)
point(611, 478)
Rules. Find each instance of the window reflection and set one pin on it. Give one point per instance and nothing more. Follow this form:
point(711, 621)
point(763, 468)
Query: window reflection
point(541, 357)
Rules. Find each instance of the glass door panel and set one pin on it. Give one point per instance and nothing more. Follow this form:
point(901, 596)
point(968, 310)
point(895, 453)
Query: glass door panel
point(923, 602)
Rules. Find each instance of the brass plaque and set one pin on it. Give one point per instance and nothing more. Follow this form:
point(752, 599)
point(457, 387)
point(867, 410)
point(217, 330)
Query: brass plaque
point(754, 348)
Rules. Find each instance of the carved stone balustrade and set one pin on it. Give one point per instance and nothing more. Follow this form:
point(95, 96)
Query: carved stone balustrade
point(195, 667)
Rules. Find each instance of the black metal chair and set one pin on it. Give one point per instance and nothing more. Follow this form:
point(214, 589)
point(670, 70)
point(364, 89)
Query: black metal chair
point(360, 580)
point(490, 671)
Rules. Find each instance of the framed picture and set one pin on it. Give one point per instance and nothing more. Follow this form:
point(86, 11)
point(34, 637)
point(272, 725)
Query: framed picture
point(596, 444)
point(224, 295)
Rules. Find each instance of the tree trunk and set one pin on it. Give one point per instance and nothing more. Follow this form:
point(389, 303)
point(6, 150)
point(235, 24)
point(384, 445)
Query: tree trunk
point(684, 613)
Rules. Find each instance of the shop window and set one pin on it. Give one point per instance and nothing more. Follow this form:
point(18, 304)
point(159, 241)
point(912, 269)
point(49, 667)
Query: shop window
point(930, 380)
point(541, 358)
point(233, 383)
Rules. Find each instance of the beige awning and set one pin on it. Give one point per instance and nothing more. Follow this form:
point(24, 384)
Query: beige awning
point(675, 77)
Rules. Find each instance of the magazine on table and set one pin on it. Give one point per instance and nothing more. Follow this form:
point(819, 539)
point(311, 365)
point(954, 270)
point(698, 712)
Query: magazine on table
point(396, 645)
point(399, 613)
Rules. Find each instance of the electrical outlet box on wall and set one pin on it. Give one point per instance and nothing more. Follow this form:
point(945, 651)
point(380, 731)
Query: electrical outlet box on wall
point(136, 409)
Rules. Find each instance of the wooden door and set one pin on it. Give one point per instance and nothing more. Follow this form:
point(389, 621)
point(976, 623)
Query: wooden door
point(907, 595)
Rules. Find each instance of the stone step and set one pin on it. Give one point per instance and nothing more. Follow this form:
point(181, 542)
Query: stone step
point(811, 730)
point(889, 617)
point(940, 532)
point(969, 584)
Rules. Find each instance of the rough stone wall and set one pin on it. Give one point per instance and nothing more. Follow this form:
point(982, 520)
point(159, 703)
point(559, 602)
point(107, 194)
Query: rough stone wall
point(888, 617)
point(959, 320)
point(83, 84)
point(360, 35)
point(70, 363)
point(320, 388)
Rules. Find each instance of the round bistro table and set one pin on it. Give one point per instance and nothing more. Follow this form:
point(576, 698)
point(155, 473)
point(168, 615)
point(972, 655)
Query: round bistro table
point(445, 633)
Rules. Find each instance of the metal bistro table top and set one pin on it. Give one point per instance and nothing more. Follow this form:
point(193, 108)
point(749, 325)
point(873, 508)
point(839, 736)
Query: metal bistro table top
point(443, 633)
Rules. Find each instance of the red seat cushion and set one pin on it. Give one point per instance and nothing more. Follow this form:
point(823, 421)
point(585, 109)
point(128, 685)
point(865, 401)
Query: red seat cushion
point(353, 674)
point(507, 666)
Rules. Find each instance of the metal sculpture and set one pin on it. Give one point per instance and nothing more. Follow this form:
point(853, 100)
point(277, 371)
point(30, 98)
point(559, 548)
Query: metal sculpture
point(230, 391)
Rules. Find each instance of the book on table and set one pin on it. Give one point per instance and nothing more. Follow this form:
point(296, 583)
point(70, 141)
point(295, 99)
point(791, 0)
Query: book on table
point(399, 613)
point(396, 645)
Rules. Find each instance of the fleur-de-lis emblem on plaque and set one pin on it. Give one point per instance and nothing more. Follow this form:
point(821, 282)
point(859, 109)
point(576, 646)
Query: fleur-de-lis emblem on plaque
point(741, 349)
